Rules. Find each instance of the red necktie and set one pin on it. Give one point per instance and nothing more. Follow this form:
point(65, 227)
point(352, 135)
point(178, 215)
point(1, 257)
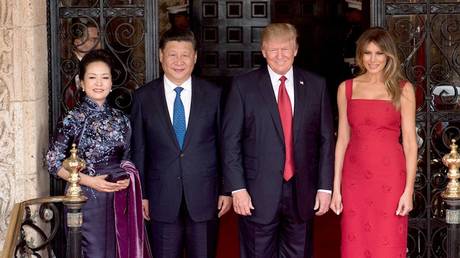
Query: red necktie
point(285, 110)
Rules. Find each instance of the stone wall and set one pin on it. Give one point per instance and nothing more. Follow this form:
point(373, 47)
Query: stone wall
point(23, 104)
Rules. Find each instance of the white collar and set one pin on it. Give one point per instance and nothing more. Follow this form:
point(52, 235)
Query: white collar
point(276, 77)
point(170, 86)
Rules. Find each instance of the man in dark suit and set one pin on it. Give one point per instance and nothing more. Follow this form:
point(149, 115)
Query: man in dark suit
point(278, 150)
point(175, 123)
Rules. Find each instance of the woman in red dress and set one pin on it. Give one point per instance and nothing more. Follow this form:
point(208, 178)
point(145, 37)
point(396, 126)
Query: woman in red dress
point(374, 171)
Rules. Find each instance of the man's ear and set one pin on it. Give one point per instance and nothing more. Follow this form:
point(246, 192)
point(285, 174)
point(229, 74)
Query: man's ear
point(161, 56)
point(77, 42)
point(262, 49)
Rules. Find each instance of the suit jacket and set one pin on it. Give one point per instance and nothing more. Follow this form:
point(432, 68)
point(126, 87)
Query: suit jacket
point(253, 142)
point(167, 173)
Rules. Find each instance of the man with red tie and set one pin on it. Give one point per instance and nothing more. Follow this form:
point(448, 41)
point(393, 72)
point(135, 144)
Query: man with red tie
point(278, 150)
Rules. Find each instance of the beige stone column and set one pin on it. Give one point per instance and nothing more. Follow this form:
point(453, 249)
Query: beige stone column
point(23, 104)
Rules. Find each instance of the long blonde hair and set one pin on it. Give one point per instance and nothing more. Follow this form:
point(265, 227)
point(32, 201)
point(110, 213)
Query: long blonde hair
point(392, 74)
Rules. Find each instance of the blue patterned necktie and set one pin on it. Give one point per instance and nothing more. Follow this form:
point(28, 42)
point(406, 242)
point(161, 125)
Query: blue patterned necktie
point(179, 117)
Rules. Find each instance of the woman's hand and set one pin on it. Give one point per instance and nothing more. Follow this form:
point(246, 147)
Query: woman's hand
point(123, 184)
point(99, 183)
point(336, 203)
point(405, 204)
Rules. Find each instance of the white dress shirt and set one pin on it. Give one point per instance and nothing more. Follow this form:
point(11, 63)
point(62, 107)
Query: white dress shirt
point(185, 96)
point(289, 83)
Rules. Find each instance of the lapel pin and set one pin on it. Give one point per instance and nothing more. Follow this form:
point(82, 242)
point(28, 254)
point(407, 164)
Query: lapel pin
point(301, 82)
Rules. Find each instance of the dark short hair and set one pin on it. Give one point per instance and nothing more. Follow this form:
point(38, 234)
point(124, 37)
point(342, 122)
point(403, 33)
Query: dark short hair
point(96, 55)
point(178, 35)
point(79, 29)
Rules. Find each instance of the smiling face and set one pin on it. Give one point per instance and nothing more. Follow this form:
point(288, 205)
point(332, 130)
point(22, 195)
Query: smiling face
point(97, 82)
point(373, 58)
point(177, 60)
point(280, 53)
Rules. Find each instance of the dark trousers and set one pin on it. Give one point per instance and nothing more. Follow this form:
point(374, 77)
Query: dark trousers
point(287, 236)
point(184, 236)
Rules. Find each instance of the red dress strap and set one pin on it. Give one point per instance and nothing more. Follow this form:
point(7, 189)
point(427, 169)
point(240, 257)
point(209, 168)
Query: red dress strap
point(348, 89)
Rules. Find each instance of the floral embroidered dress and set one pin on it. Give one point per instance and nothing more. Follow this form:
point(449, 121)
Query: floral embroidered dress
point(102, 135)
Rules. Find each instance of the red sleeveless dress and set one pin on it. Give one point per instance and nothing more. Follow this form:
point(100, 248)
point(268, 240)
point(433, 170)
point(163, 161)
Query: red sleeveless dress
point(373, 180)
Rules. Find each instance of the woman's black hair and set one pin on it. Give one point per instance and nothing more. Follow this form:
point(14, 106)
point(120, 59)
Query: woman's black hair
point(96, 55)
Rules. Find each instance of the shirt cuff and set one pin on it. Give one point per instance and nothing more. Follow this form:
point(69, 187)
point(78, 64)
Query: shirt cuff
point(239, 190)
point(325, 191)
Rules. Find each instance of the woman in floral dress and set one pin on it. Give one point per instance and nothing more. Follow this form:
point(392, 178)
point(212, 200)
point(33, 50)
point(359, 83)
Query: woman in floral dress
point(102, 135)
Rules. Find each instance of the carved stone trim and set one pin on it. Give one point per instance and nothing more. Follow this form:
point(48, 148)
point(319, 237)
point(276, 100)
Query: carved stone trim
point(95, 12)
point(445, 8)
point(421, 8)
point(398, 9)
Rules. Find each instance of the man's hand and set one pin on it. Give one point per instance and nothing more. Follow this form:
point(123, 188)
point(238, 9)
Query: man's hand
point(145, 209)
point(242, 204)
point(322, 202)
point(224, 204)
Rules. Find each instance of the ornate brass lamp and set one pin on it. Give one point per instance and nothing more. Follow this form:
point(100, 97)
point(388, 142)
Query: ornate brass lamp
point(451, 197)
point(74, 200)
point(74, 165)
point(452, 161)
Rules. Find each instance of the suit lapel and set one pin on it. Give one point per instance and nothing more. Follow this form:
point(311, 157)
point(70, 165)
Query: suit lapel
point(300, 92)
point(162, 107)
point(195, 110)
point(266, 90)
